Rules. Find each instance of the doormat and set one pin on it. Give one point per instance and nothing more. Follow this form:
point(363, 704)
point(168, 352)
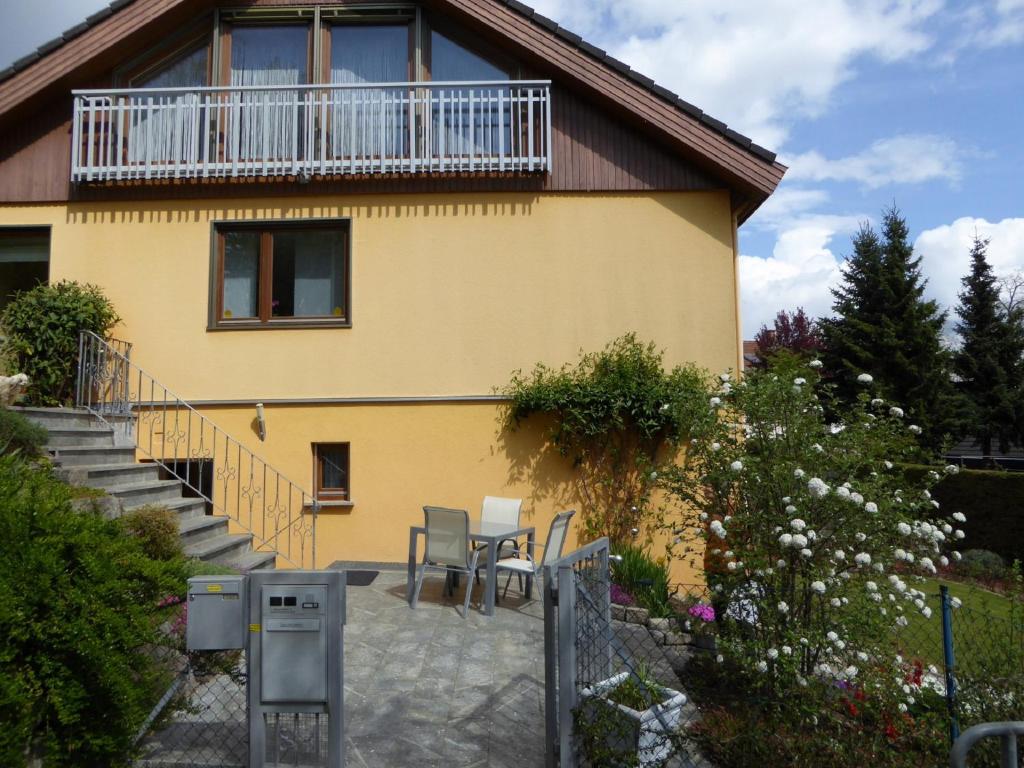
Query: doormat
point(360, 578)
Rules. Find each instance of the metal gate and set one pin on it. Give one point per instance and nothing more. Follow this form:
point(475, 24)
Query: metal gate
point(588, 658)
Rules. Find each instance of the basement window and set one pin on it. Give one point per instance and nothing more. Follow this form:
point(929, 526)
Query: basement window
point(281, 275)
point(331, 471)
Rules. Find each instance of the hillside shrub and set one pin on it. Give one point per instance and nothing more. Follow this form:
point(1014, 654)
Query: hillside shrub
point(79, 621)
point(156, 529)
point(19, 435)
point(983, 565)
point(41, 329)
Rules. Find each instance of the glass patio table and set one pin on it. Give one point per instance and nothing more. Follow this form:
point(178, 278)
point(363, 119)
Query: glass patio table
point(490, 534)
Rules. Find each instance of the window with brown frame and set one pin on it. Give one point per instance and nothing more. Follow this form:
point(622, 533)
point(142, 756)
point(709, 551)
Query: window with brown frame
point(272, 275)
point(331, 471)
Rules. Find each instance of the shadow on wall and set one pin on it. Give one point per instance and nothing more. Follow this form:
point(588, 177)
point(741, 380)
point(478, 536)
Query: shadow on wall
point(382, 207)
point(533, 461)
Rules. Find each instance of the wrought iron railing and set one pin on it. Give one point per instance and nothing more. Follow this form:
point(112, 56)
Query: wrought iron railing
point(279, 514)
point(312, 130)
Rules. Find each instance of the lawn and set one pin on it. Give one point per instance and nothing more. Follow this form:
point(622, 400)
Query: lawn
point(981, 628)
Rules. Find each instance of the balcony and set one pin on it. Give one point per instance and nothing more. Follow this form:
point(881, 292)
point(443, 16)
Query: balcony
point(305, 131)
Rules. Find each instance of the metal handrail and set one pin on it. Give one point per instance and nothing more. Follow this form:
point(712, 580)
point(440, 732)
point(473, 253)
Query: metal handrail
point(1007, 733)
point(312, 129)
point(277, 511)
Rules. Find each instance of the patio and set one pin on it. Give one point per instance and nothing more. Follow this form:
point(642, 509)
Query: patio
point(423, 687)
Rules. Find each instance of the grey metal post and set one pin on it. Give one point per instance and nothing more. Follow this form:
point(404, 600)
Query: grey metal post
point(566, 663)
point(1007, 732)
point(551, 744)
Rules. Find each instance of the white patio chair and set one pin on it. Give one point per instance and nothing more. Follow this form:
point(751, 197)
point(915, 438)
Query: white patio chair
point(447, 549)
point(496, 509)
point(523, 565)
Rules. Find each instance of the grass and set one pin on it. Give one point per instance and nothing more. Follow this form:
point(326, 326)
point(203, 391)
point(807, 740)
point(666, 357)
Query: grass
point(977, 625)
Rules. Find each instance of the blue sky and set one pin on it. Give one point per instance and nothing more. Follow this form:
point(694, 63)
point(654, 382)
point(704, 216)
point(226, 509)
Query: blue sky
point(870, 102)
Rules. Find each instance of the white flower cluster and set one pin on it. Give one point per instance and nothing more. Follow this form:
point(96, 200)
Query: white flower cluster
point(817, 488)
point(865, 378)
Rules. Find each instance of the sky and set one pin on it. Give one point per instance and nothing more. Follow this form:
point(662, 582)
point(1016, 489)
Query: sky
point(871, 103)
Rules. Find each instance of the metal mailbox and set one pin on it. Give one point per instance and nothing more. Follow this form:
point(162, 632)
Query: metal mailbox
point(217, 611)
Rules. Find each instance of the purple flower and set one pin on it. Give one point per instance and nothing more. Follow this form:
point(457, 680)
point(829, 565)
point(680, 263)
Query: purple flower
point(621, 596)
point(702, 611)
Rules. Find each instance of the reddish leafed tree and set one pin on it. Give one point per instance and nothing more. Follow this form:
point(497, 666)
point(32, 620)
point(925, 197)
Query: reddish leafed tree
point(795, 332)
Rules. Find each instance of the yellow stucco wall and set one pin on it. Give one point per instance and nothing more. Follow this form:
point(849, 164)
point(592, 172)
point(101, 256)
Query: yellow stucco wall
point(449, 294)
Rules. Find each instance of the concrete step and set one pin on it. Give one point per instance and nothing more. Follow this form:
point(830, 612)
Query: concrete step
point(108, 476)
point(150, 492)
point(196, 529)
point(58, 418)
point(224, 549)
point(95, 436)
point(255, 561)
point(184, 507)
point(74, 456)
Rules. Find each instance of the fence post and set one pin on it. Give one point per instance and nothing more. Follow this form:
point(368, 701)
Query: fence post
point(948, 659)
point(551, 744)
point(566, 664)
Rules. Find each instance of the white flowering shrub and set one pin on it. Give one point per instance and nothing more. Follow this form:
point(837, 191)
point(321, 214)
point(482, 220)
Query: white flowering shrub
point(811, 534)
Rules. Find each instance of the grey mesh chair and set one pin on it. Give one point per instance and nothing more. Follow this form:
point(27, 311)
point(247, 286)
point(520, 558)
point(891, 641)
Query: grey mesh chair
point(523, 565)
point(496, 509)
point(448, 550)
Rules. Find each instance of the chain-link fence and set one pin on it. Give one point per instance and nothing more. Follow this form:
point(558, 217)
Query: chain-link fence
point(620, 700)
point(201, 720)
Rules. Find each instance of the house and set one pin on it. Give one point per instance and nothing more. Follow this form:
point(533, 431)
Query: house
point(364, 217)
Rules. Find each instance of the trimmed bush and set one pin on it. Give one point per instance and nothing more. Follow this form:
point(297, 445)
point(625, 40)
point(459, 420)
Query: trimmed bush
point(41, 329)
point(993, 502)
point(982, 565)
point(19, 435)
point(79, 619)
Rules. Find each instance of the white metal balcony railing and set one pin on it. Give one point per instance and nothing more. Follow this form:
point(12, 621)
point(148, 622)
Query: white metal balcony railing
point(311, 130)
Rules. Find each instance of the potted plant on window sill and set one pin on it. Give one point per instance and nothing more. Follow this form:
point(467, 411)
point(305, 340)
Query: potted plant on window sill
point(626, 715)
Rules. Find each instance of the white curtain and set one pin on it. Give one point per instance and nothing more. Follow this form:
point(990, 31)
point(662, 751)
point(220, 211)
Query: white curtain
point(369, 124)
point(269, 123)
point(241, 274)
point(159, 131)
point(316, 261)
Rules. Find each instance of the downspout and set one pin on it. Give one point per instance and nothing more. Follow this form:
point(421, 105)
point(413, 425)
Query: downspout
point(736, 286)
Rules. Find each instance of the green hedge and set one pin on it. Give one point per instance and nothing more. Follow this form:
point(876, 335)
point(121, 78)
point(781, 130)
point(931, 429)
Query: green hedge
point(81, 604)
point(994, 504)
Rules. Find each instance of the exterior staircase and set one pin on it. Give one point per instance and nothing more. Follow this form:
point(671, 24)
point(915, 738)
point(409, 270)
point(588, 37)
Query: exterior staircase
point(87, 453)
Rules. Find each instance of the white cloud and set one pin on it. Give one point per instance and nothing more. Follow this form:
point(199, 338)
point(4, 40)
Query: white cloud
point(945, 253)
point(799, 272)
point(906, 159)
point(786, 203)
point(759, 66)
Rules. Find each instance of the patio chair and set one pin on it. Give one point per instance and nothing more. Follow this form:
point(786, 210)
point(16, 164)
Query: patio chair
point(523, 565)
point(448, 550)
point(499, 510)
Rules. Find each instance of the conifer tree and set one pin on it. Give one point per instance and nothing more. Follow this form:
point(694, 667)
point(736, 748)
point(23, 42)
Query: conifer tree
point(990, 361)
point(885, 327)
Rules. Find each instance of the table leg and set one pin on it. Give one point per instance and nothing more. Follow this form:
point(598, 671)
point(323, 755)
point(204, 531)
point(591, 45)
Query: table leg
point(491, 590)
point(410, 576)
point(529, 551)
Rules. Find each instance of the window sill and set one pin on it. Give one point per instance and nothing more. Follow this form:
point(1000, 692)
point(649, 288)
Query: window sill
point(279, 325)
point(339, 505)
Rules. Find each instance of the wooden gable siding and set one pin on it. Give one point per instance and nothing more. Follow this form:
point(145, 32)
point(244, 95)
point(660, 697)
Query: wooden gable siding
point(591, 150)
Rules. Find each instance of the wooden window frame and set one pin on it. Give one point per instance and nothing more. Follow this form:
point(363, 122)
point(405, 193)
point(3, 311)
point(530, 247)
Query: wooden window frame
point(332, 495)
point(265, 319)
point(228, 26)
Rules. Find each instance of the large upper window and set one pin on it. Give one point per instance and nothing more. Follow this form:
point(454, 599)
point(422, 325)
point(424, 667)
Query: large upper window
point(274, 275)
point(182, 70)
point(451, 62)
point(369, 53)
point(269, 55)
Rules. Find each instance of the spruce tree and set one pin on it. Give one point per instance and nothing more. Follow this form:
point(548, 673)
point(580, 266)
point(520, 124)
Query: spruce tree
point(989, 362)
point(885, 327)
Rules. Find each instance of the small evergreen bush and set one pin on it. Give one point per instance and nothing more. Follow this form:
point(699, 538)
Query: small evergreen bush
point(80, 618)
point(19, 435)
point(983, 565)
point(156, 529)
point(41, 329)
